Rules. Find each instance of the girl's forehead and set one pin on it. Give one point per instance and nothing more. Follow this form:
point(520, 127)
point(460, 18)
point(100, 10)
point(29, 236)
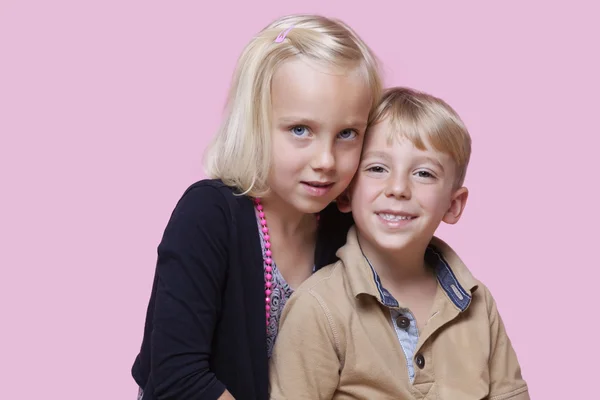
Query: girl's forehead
point(300, 91)
point(311, 75)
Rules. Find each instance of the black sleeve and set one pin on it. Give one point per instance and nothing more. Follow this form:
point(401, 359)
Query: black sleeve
point(191, 268)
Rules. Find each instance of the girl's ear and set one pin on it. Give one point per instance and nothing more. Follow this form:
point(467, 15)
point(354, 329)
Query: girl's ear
point(343, 202)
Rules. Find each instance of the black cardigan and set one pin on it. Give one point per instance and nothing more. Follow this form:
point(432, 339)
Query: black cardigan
point(205, 324)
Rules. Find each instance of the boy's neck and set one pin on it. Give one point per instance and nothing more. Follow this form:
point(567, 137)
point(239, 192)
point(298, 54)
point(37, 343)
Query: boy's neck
point(402, 266)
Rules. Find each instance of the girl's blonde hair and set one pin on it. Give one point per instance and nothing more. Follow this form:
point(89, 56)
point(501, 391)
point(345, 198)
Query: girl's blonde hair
point(240, 153)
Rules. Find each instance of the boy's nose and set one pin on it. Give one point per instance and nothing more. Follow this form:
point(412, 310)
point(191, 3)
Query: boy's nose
point(398, 187)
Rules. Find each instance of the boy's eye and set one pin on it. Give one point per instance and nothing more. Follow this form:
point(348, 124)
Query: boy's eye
point(348, 134)
point(376, 169)
point(424, 174)
point(299, 130)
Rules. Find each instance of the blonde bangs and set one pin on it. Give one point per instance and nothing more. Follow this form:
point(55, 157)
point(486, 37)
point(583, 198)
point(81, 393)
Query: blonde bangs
point(428, 123)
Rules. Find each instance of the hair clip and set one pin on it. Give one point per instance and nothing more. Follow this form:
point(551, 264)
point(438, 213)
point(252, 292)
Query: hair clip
point(283, 34)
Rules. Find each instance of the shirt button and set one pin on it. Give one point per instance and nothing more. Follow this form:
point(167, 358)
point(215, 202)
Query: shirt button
point(420, 360)
point(402, 322)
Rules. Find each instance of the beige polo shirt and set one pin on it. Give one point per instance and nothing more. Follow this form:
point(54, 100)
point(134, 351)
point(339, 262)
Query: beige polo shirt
point(343, 336)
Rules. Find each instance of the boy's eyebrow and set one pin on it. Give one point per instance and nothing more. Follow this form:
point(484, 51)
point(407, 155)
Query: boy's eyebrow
point(436, 162)
point(376, 154)
point(386, 156)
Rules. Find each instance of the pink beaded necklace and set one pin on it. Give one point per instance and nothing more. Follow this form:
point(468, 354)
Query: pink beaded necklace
point(268, 260)
point(269, 284)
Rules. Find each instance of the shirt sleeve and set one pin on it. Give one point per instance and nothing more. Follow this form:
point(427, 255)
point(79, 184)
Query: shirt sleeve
point(305, 363)
point(191, 267)
point(506, 381)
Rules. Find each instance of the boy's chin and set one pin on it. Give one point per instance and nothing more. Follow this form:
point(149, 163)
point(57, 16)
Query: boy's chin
point(398, 243)
point(395, 247)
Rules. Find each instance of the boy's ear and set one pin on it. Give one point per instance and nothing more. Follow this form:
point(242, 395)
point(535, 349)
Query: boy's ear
point(343, 202)
point(457, 206)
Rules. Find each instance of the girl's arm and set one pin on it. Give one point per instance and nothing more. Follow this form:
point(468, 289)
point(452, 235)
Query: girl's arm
point(192, 261)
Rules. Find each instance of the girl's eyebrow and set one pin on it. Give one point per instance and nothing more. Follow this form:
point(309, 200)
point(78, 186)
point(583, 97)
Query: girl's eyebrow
point(297, 120)
point(358, 124)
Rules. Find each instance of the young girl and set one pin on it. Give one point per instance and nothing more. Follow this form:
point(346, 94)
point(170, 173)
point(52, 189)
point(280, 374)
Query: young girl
point(239, 243)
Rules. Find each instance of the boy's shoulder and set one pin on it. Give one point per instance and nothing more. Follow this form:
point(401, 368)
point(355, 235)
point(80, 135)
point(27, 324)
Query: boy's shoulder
point(325, 298)
point(327, 290)
point(327, 279)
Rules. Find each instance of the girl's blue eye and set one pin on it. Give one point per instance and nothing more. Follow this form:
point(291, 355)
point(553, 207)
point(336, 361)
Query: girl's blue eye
point(299, 130)
point(347, 134)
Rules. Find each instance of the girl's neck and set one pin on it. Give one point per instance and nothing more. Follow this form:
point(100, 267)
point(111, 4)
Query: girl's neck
point(292, 235)
point(286, 221)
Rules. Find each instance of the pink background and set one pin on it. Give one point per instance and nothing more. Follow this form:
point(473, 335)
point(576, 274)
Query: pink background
point(106, 106)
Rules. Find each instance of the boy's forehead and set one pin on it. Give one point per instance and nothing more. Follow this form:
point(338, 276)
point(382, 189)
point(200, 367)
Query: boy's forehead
point(384, 136)
point(383, 140)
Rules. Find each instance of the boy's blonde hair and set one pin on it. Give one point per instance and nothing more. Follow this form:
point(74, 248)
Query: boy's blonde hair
point(426, 121)
point(240, 154)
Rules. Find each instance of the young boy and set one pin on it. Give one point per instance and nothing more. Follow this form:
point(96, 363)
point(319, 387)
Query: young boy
point(399, 316)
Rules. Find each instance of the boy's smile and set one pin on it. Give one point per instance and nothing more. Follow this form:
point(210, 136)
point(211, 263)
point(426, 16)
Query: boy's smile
point(401, 193)
point(395, 219)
